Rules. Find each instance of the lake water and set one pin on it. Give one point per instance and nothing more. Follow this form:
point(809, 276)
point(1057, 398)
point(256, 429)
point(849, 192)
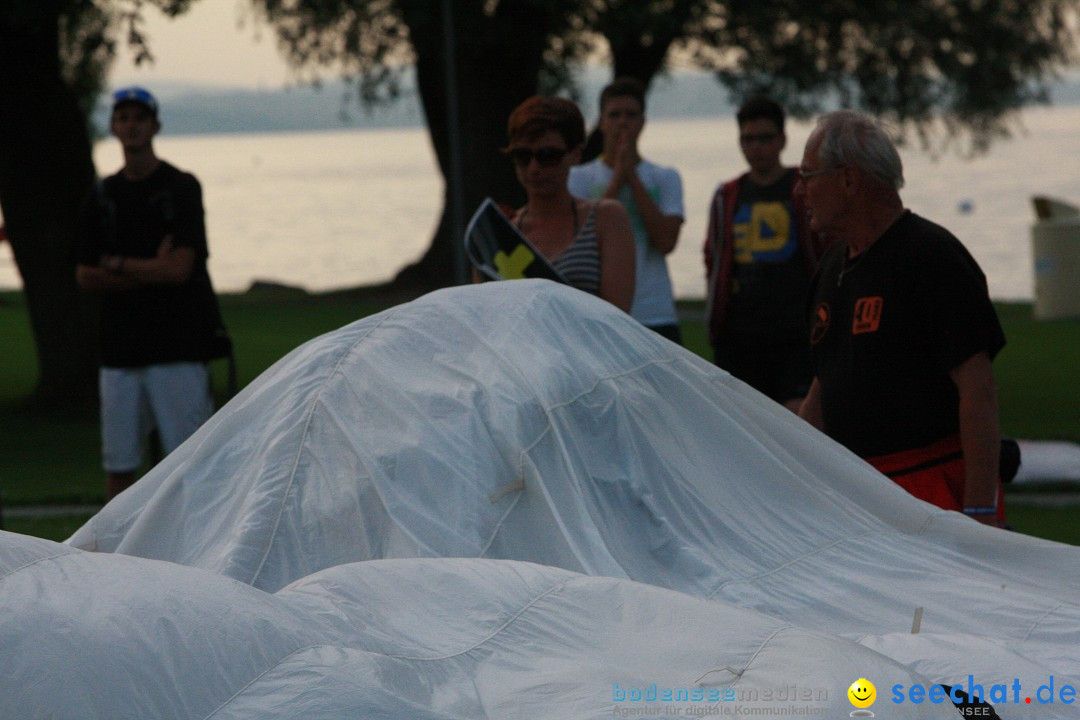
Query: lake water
point(343, 208)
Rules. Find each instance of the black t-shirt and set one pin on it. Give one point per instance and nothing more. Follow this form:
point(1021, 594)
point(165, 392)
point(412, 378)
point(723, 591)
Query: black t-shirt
point(161, 323)
point(769, 275)
point(887, 330)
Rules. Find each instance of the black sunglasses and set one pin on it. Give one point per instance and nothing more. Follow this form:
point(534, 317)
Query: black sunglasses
point(545, 156)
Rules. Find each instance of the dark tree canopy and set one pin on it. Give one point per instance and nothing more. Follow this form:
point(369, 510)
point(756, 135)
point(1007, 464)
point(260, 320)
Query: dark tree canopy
point(946, 70)
point(943, 68)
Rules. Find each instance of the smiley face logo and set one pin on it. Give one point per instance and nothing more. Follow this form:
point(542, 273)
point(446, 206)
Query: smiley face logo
point(862, 693)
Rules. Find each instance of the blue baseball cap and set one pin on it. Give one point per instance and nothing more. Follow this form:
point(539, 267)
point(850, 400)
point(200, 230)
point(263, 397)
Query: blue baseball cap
point(135, 94)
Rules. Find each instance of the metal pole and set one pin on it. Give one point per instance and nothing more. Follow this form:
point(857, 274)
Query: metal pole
point(454, 179)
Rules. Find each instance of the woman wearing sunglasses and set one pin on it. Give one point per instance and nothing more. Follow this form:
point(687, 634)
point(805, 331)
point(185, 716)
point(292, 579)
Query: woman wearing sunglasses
point(588, 241)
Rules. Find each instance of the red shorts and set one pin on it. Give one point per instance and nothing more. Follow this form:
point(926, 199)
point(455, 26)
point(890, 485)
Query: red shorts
point(934, 473)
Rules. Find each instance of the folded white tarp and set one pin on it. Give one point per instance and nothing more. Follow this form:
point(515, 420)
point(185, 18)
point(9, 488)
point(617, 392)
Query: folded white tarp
point(528, 421)
point(102, 637)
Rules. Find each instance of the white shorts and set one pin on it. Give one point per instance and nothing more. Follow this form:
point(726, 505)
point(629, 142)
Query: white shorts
point(175, 398)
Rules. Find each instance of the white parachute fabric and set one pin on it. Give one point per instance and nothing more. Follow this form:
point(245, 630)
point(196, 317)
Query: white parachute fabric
point(93, 636)
point(528, 421)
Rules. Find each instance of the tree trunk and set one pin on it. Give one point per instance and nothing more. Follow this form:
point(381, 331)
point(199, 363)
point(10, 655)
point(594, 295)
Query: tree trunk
point(507, 56)
point(46, 168)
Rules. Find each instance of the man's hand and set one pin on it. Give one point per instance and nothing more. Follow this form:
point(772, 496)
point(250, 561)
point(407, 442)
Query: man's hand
point(810, 410)
point(625, 158)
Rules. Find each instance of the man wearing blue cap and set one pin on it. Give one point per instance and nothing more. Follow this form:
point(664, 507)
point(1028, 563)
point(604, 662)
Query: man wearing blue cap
point(142, 247)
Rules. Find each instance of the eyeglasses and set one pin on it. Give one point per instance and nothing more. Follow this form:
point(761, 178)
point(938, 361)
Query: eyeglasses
point(545, 156)
point(761, 138)
point(805, 175)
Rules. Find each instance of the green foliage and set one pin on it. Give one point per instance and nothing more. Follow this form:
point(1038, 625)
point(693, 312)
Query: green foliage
point(87, 48)
point(958, 66)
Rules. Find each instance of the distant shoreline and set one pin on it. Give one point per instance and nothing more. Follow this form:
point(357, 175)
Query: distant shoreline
point(200, 110)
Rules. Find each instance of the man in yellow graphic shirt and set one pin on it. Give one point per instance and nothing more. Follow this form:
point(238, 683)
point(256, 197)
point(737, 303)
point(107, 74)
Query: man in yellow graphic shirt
point(760, 255)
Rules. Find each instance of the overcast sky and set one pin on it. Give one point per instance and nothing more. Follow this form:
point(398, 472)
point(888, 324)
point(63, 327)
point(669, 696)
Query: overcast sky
point(214, 43)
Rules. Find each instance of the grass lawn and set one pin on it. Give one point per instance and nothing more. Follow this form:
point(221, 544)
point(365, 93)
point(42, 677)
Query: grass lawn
point(51, 457)
point(1052, 523)
point(1038, 389)
point(58, 528)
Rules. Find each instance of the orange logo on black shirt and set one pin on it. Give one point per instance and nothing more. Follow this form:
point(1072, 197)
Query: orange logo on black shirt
point(820, 325)
point(867, 315)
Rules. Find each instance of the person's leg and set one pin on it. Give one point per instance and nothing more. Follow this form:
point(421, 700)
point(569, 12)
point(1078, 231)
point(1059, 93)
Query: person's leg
point(181, 400)
point(125, 423)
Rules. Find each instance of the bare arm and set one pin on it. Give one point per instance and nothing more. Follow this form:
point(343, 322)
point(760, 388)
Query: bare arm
point(980, 432)
point(99, 278)
point(617, 254)
point(810, 411)
point(171, 266)
point(663, 230)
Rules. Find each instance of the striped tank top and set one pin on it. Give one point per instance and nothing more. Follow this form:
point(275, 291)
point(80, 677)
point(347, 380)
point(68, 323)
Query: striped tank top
point(580, 263)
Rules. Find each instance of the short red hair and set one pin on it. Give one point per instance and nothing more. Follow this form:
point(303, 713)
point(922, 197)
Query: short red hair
point(541, 113)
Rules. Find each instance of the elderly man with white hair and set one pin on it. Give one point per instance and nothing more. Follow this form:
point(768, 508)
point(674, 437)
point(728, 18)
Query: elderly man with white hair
point(903, 332)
